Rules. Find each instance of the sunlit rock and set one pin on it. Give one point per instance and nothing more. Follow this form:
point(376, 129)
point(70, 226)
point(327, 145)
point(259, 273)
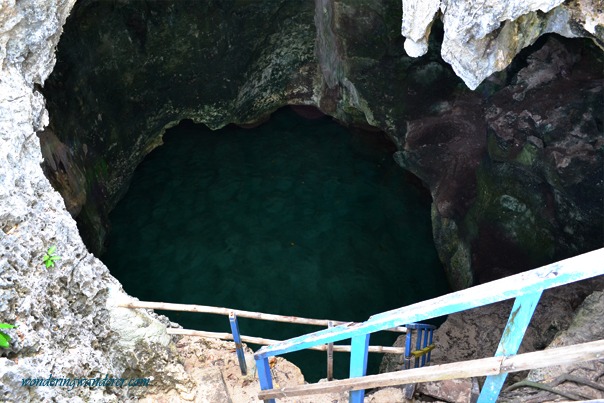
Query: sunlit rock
point(484, 37)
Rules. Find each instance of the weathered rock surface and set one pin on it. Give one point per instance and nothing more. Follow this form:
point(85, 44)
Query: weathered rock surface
point(65, 325)
point(516, 178)
point(484, 37)
point(451, 390)
point(445, 151)
point(214, 369)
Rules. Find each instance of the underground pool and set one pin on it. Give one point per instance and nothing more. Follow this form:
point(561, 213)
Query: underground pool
point(297, 216)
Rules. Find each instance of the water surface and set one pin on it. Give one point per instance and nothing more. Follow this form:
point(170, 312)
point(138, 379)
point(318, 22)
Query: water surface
point(296, 217)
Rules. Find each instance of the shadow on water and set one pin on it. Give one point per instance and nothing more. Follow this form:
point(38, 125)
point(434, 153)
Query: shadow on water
point(297, 217)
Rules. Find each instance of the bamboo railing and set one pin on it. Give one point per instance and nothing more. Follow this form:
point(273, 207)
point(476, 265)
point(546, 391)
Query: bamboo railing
point(525, 288)
point(238, 338)
point(164, 306)
point(268, 342)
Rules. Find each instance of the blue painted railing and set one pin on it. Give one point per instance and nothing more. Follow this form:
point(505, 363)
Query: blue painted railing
point(237, 339)
point(423, 344)
point(525, 287)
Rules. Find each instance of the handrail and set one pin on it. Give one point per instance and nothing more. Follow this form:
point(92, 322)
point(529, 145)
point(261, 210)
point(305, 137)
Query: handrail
point(166, 306)
point(525, 287)
point(545, 277)
point(237, 337)
point(465, 369)
point(262, 341)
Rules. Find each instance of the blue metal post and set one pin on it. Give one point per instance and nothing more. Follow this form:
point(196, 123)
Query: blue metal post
point(418, 344)
point(425, 344)
point(408, 347)
point(430, 342)
point(237, 339)
point(520, 317)
point(264, 376)
point(359, 347)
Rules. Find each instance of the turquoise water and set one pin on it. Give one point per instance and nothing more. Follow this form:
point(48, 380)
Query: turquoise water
point(297, 217)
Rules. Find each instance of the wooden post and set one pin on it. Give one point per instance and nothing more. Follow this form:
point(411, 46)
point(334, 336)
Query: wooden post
point(330, 357)
point(520, 317)
point(237, 340)
point(358, 364)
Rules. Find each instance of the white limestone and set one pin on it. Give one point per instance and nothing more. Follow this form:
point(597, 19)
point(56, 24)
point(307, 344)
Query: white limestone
point(482, 37)
point(64, 327)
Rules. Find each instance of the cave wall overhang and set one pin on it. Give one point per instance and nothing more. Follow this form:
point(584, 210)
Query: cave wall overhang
point(127, 72)
point(481, 38)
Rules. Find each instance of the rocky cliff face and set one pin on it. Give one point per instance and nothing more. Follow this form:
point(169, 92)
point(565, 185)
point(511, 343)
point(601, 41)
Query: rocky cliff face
point(530, 145)
point(161, 62)
point(528, 189)
point(66, 326)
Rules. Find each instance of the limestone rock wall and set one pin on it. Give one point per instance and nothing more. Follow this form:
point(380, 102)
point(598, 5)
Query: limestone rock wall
point(483, 37)
point(65, 325)
point(158, 63)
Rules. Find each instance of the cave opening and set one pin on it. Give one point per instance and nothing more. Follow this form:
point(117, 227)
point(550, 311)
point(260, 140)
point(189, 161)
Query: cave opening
point(298, 217)
point(126, 72)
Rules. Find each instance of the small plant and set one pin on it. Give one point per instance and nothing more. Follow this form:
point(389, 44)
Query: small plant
point(5, 338)
point(50, 257)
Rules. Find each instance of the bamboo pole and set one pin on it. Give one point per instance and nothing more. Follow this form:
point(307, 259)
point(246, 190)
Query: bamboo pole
point(166, 306)
point(262, 341)
point(464, 369)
